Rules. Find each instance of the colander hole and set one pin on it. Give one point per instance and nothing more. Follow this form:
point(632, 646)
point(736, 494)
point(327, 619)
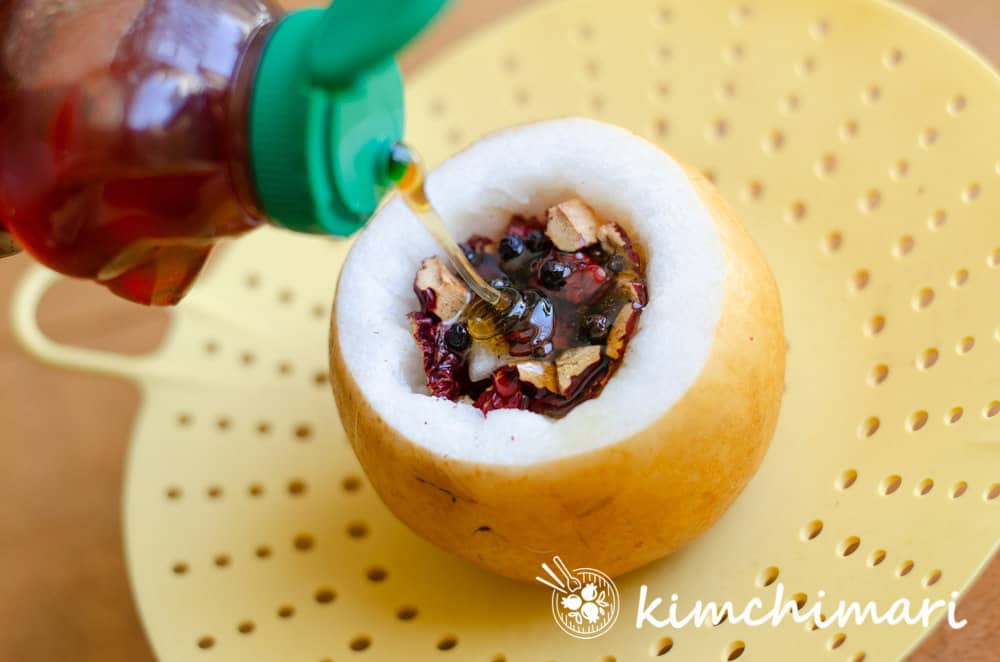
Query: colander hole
point(734, 53)
point(971, 193)
point(222, 560)
point(661, 128)
point(734, 650)
point(662, 647)
point(453, 137)
point(325, 596)
point(992, 409)
point(858, 657)
point(500, 657)
point(184, 419)
point(875, 325)
point(286, 611)
point(994, 259)
point(351, 483)
point(796, 212)
point(820, 29)
point(958, 489)
point(661, 90)
point(774, 141)
point(800, 600)
point(286, 296)
point(255, 490)
point(923, 298)
point(833, 242)
point(876, 557)
point(806, 66)
point(790, 103)
point(767, 576)
point(304, 542)
point(741, 14)
point(224, 423)
point(510, 64)
point(407, 613)
point(214, 492)
point(319, 312)
point(871, 94)
point(812, 529)
point(957, 104)
point(592, 68)
point(993, 492)
point(878, 374)
point(727, 90)
point(711, 175)
point(848, 546)
point(717, 129)
point(522, 97)
point(360, 643)
point(436, 107)
point(251, 281)
point(965, 345)
point(904, 246)
point(206, 642)
point(320, 378)
point(928, 358)
point(248, 358)
point(836, 641)
point(297, 487)
point(860, 280)
point(303, 432)
point(870, 201)
point(174, 493)
point(849, 130)
point(264, 428)
point(937, 219)
point(960, 278)
point(246, 627)
point(664, 14)
point(376, 574)
point(284, 368)
point(846, 479)
point(263, 552)
point(826, 165)
point(932, 578)
point(447, 642)
point(928, 138)
point(954, 416)
point(754, 190)
point(892, 58)
point(899, 170)
point(904, 568)
point(890, 484)
point(916, 421)
point(924, 487)
point(664, 53)
point(869, 427)
point(357, 530)
point(180, 568)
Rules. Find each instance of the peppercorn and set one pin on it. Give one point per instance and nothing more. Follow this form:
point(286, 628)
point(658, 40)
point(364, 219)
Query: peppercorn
point(537, 242)
point(616, 264)
point(457, 338)
point(596, 327)
point(511, 247)
point(554, 273)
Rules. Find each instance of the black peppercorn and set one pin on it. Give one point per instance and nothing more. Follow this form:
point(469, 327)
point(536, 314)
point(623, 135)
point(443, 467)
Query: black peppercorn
point(511, 247)
point(457, 338)
point(553, 274)
point(596, 327)
point(537, 242)
point(616, 264)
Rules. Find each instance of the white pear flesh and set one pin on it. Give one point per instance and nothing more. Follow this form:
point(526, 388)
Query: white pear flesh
point(626, 478)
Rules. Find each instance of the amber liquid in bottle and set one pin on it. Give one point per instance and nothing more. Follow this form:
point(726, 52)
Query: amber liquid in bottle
point(122, 135)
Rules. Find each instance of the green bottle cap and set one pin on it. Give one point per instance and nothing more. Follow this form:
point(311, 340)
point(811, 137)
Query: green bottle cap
point(326, 108)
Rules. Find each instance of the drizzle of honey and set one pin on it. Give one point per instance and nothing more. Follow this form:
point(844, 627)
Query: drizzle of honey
point(495, 311)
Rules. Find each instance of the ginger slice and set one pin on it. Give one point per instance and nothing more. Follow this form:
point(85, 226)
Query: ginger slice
point(575, 363)
point(450, 295)
point(572, 225)
point(621, 330)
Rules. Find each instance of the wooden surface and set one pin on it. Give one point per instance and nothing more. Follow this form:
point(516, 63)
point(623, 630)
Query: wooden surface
point(63, 437)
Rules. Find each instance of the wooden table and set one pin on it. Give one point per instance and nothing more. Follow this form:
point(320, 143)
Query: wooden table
point(63, 589)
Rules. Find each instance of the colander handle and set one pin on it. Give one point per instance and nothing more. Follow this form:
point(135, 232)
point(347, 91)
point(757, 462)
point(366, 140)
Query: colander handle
point(24, 324)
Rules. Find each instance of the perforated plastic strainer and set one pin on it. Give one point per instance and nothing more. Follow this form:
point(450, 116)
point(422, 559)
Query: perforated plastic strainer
point(859, 143)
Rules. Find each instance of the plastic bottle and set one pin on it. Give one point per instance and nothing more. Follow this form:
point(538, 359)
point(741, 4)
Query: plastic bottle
point(134, 134)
